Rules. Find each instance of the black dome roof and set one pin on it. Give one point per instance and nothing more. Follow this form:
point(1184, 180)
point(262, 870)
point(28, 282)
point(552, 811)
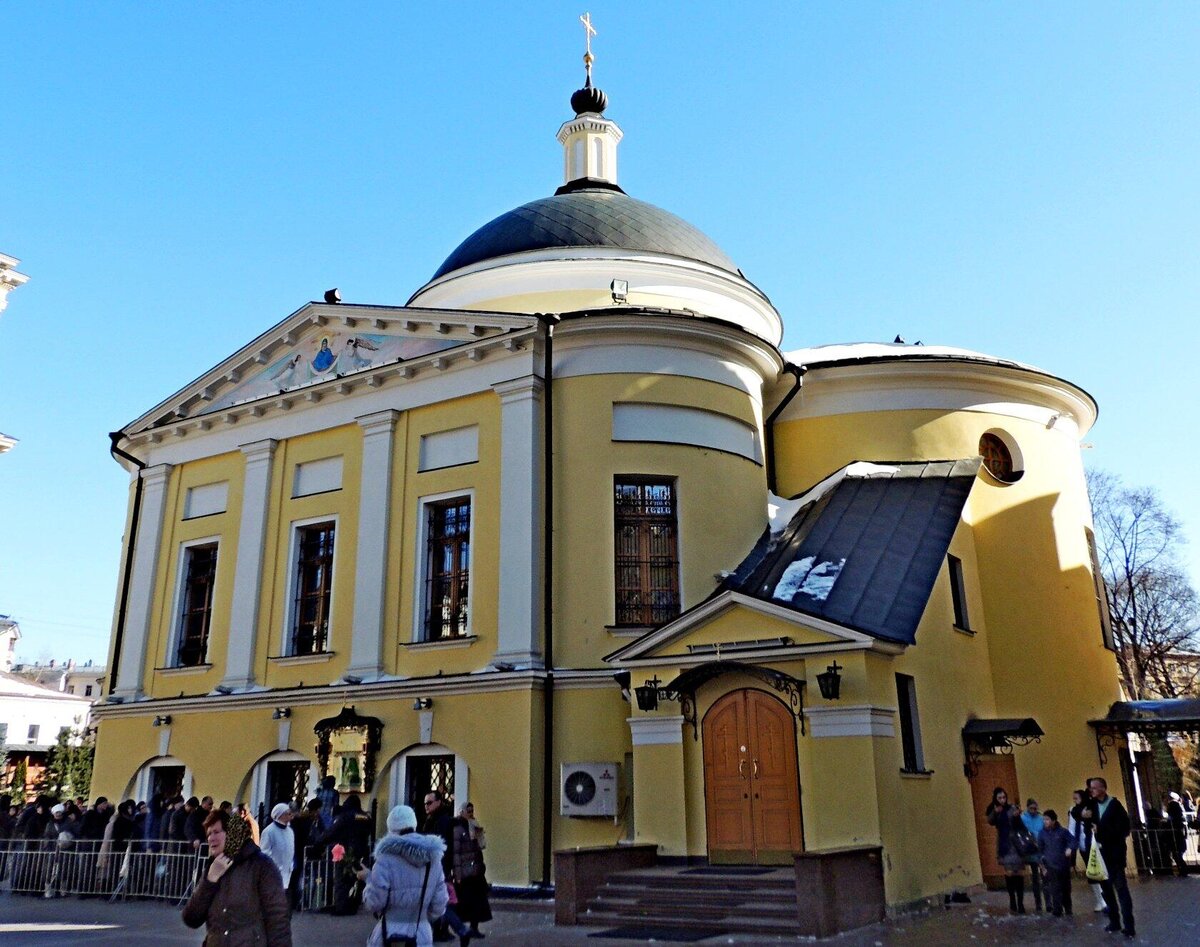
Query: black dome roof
point(586, 216)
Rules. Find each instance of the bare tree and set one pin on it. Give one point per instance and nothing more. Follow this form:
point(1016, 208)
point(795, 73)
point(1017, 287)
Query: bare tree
point(1153, 607)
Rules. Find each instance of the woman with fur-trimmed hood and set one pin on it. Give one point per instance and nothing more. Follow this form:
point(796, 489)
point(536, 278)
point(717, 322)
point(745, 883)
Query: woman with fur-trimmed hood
point(405, 863)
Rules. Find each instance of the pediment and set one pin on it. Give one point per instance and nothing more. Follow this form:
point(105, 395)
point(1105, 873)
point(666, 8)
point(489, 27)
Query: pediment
point(732, 624)
point(327, 342)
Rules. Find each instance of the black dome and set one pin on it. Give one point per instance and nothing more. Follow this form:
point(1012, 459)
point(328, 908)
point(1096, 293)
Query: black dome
point(587, 217)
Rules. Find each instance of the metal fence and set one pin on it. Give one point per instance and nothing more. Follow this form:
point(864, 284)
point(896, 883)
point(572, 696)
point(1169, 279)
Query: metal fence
point(49, 870)
point(1153, 846)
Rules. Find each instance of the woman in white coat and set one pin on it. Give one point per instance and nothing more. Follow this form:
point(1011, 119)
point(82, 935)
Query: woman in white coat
point(278, 843)
point(406, 884)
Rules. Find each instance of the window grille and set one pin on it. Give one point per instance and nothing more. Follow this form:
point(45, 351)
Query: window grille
point(647, 556)
point(196, 614)
point(447, 571)
point(314, 588)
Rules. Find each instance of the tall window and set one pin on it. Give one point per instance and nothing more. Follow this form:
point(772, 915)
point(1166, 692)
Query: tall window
point(647, 551)
point(958, 592)
point(34, 730)
point(313, 588)
point(1100, 588)
point(910, 724)
point(447, 568)
point(195, 617)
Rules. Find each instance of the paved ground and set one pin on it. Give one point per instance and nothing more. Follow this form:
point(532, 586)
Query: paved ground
point(1168, 912)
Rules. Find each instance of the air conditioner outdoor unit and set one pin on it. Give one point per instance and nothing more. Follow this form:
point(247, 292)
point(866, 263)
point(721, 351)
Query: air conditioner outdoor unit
point(589, 789)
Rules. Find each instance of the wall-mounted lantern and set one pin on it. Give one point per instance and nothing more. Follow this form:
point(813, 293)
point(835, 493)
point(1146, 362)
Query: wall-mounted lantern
point(830, 682)
point(163, 720)
point(422, 703)
point(281, 713)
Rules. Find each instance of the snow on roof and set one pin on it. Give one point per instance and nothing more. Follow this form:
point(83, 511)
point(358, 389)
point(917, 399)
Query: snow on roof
point(882, 351)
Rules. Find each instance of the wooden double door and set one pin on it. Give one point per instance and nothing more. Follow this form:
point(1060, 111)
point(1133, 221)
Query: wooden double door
point(992, 771)
point(751, 780)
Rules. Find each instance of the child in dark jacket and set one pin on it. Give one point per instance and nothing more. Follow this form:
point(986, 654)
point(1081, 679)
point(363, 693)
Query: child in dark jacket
point(1057, 849)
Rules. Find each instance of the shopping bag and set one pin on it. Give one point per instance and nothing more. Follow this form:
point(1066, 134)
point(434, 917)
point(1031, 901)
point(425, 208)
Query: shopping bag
point(1096, 869)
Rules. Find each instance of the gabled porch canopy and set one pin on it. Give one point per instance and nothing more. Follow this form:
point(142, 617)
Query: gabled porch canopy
point(1158, 717)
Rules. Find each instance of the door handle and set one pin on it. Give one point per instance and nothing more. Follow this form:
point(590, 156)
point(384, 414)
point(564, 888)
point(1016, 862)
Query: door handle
point(755, 762)
point(741, 769)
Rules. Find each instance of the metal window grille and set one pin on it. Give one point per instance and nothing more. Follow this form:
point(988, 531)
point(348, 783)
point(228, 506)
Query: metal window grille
point(448, 560)
point(647, 554)
point(314, 588)
point(196, 615)
point(441, 776)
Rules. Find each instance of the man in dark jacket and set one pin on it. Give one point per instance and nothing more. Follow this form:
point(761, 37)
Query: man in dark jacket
point(1110, 829)
point(439, 820)
point(1178, 832)
point(193, 828)
point(95, 820)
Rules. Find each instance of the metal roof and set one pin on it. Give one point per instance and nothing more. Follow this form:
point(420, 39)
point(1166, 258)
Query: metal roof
point(587, 217)
point(866, 552)
point(1152, 716)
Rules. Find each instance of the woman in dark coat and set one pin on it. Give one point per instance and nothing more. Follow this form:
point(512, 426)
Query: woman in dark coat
point(470, 884)
point(1007, 820)
point(240, 899)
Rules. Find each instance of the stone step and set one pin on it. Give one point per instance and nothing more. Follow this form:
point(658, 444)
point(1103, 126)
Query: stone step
point(652, 878)
point(607, 901)
point(699, 896)
point(744, 924)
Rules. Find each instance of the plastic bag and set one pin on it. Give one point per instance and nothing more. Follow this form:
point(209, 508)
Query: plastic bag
point(1096, 869)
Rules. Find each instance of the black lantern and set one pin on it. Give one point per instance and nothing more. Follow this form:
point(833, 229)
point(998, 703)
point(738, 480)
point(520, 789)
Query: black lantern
point(830, 682)
point(647, 694)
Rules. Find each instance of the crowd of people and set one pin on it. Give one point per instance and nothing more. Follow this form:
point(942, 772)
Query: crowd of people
point(430, 885)
point(1035, 844)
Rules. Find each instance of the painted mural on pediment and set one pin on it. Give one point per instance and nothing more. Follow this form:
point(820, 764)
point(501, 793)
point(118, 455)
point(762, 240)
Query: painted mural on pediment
point(325, 355)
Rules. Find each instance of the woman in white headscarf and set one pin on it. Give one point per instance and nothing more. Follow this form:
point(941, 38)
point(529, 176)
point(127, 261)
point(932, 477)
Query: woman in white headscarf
point(278, 843)
point(405, 885)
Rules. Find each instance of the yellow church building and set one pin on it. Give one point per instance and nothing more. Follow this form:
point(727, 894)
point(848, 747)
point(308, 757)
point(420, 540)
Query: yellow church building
point(572, 535)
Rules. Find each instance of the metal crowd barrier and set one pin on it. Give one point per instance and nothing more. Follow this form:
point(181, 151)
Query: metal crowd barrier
point(1152, 849)
point(46, 869)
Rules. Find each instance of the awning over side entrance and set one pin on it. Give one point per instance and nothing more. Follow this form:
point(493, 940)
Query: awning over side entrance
point(996, 735)
point(1146, 717)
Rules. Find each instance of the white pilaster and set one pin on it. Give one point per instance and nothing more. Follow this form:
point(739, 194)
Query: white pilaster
point(366, 635)
point(522, 574)
point(247, 576)
point(141, 584)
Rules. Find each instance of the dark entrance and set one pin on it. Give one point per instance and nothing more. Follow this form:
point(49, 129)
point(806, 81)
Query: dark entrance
point(426, 773)
point(287, 781)
point(166, 779)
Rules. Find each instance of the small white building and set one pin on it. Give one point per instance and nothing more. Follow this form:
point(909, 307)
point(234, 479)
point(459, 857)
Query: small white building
point(10, 631)
point(31, 717)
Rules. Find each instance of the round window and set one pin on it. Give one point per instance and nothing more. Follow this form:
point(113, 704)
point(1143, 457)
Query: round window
point(998, 458)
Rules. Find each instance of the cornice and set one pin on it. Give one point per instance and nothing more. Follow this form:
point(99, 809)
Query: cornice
point(269, 698)
point(941, 384)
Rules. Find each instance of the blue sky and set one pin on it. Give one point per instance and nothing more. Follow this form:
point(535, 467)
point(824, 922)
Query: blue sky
point(1016, 178)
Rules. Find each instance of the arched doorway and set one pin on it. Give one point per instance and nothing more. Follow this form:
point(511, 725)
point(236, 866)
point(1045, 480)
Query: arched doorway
point(162, 774)
point(751, 780)
point(283, 776)
point(417, 770)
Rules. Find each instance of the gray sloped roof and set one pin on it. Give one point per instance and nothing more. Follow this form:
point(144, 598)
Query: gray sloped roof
point(866, 552)
point(587, 217)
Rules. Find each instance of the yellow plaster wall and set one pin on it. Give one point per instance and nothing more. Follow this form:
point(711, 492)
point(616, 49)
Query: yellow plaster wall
point(409, 486)
point(721, 497)
point(222, 747)
point(176, 531)
point(284, 511)
point(1037, 649)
